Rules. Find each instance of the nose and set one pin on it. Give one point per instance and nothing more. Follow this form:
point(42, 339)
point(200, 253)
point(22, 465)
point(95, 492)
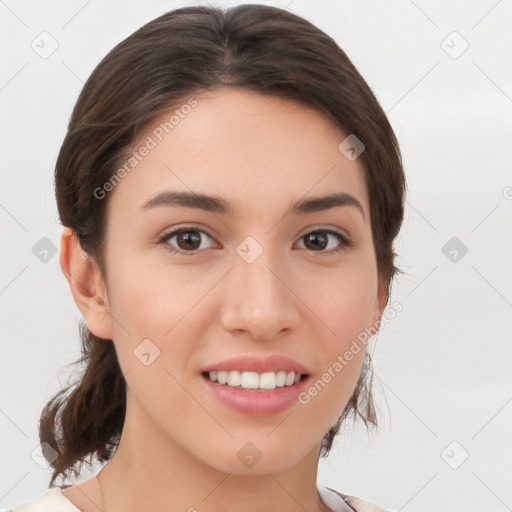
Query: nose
point(258, 299)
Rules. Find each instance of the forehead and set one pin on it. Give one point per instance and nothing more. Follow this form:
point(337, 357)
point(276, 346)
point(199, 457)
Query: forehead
point(247, 147)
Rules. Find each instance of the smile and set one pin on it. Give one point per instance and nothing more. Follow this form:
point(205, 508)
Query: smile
point(254, 380)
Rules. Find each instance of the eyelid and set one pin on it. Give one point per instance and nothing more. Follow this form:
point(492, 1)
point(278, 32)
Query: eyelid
point(327, 229)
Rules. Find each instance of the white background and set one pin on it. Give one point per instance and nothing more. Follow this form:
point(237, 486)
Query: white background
point(443, 364)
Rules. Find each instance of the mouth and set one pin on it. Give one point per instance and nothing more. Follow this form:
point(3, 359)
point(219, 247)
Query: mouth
point(254, 381)
point(256, 386)
point(255, 394)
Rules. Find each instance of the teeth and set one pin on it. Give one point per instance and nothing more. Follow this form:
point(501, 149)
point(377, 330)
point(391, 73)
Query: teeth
point(254, 380)
point(234, 379)
point(280, 379)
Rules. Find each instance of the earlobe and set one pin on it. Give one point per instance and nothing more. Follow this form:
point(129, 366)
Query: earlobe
point(380, 304)
point(86, 284)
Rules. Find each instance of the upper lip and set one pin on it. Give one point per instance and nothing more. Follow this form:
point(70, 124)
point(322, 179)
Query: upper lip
point(272, 363)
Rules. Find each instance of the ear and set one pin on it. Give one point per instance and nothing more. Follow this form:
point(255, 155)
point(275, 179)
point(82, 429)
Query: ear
point(380, 303)
point(86, 283)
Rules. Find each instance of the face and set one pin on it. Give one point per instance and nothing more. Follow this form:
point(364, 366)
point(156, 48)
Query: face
point(193, 283)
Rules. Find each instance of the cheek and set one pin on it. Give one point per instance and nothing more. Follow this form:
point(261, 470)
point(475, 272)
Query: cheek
point(345, 305)
point(150, 296)
point(345, 302)
point(346, 315)
point(150, 301)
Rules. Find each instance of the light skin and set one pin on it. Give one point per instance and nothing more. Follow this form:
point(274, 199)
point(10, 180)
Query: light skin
point(179, 444)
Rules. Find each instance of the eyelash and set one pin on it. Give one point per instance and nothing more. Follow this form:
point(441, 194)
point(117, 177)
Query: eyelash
point(345, 242)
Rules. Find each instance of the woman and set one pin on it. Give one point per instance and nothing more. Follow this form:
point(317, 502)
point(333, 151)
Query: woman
point(230, 190)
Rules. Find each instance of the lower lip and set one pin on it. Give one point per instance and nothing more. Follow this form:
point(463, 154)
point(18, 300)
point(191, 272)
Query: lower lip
point(255, 402)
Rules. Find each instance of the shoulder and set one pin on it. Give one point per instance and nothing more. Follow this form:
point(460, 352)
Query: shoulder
point(52, 500)
point(358, 504)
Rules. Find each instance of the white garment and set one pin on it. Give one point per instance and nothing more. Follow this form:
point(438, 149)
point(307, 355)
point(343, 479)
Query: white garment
point(52, 500)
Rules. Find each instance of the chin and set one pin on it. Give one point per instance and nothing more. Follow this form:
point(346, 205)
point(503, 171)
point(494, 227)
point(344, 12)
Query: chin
point(259, 456)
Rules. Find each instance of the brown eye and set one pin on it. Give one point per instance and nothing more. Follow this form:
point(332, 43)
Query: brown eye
point(318, 241)
point(186, 240)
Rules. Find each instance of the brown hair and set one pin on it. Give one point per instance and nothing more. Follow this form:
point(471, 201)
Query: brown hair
point(183, 52)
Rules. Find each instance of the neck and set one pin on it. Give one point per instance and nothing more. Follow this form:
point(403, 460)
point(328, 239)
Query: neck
point(143, 475)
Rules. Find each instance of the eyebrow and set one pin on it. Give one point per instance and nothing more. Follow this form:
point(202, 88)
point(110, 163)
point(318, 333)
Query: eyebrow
point(219, 205)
